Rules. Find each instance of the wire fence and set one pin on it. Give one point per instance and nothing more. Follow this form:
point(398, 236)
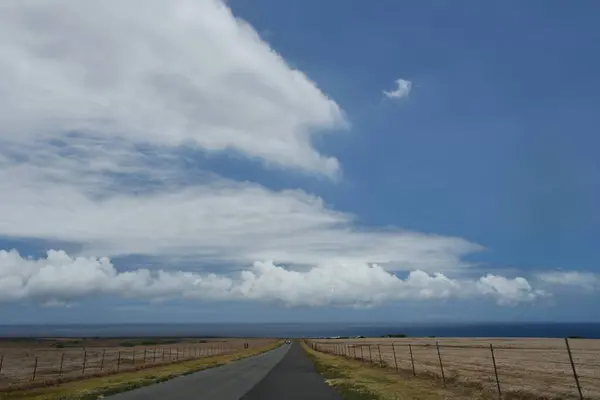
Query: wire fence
point(26, 367)
point(544, 368)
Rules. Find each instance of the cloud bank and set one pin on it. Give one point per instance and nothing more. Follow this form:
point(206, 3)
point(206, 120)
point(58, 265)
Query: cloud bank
point(588, 281)
point(161, 72)
point(221, 220)
point(60, 278)
point(96, 99)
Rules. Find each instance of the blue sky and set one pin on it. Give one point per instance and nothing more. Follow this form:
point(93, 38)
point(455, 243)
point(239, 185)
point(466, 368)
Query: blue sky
point(496, 142)
point(486, 172)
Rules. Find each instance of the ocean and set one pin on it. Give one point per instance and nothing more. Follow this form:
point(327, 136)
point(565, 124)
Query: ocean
point(291, 330)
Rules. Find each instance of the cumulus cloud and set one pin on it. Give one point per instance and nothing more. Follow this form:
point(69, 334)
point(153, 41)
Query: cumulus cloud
point(60, 278)
point(161, 72)
point(402, 89)
point(507, 291)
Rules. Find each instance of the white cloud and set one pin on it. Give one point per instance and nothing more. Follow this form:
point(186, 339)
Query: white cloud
point(60, 279)
point(402, 90)
point(85, 82)
point(585, 280)
point(508, 291)
point(156, 71)
point(219, 220)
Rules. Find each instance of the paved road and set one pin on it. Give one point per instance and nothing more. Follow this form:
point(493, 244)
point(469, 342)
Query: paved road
point(228, 382)
point(284, 373)
point(294, 378)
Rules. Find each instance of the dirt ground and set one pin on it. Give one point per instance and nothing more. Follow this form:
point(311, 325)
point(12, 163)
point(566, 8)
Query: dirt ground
point(539, 367)
point(43, 359)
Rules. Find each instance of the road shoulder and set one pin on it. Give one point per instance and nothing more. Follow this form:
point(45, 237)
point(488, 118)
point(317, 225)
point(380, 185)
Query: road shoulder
point(93, 388)
point(358, 380)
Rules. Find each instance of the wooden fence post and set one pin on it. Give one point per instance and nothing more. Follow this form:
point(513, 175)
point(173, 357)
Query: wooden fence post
point(1, 362)
point(412, 360)
point(84, 360)
point(34, 369)
point(395, 362)
point(574, 370)
point(144, 356)
point(370, 355)
point(361, 353)
point(380, 359)
point(118, 361)
point(62, 360)
point(101, 361)
point(437, 345)
point(495, 371)
point(154, 355)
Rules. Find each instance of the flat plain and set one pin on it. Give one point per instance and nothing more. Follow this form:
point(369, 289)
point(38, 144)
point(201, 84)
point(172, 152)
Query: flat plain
point(29, 362)
point(527, 368)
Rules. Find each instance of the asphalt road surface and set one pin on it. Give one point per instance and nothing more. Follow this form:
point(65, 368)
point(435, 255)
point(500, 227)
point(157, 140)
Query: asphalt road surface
point(280, 374)
point(294, 378)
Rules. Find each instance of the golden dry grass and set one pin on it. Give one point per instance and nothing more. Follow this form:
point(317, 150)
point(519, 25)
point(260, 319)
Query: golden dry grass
point(98, 387)
point(355, 380)
point(535, 368)
point(100, 356)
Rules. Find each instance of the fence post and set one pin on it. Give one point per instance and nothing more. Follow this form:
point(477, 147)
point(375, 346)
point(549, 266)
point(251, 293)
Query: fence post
point(573, 367)
point(101, 361)
point(119, 361)
point(370, 355)
point(154, 355)
point(84, 360)
point(144, 356)
point(362, 358)
point(395, 362)
point(437, 345)
point(380, 359)
point(34, 369)
point(62, 359)
point(495, 371)
point(1, 362)
point(412, 361)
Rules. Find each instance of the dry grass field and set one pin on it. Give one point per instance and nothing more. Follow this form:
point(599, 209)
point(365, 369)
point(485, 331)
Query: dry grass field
point(527, 368)
point(24, 362)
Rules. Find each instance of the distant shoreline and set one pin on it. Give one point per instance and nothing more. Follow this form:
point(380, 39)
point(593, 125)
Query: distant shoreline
point(299, 330)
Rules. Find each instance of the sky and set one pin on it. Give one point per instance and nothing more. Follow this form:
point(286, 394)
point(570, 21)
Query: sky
point(389, 161)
